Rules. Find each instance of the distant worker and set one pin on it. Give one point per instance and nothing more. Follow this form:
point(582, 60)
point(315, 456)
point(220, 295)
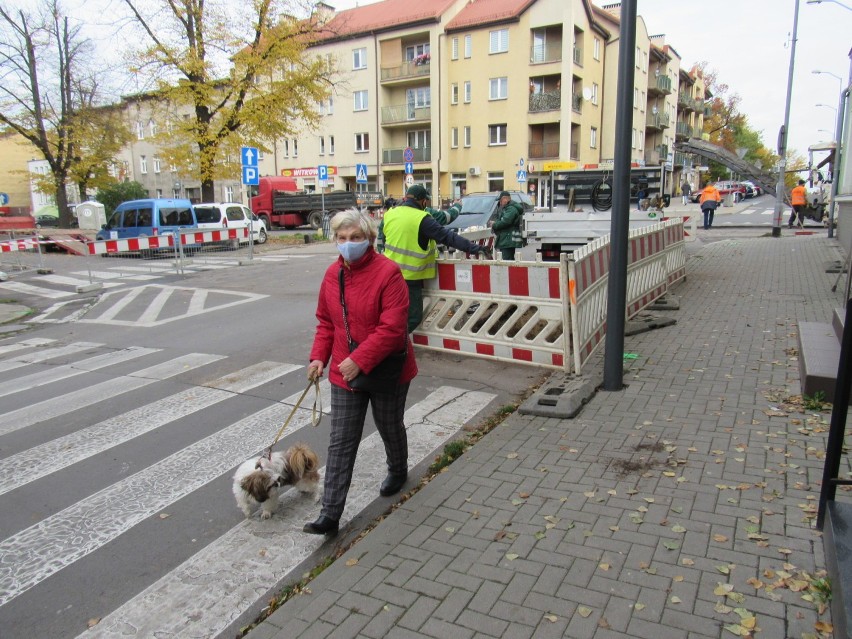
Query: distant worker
point(709, 200)
point(507, 226)
point(411, 238)
point(685, 191)
point(799, 200)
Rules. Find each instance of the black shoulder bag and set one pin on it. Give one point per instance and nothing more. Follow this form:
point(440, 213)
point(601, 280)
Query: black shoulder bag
point(384, 378)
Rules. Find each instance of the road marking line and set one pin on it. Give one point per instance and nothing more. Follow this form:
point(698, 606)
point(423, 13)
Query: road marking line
point(72, 370)
point(73, 281)
point(245, 562)
point(37, 341)
point(120, 305)
point(47, 458)
point(46, 354)
point(28, 289)
point(155, 306)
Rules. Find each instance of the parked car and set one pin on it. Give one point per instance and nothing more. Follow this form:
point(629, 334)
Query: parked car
point(43, 221)
point(217, 215)
point(480, 209)
point(728, 187)
point(755, 190)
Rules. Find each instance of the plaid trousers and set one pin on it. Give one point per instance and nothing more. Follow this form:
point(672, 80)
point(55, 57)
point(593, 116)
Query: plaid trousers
point(348, 412)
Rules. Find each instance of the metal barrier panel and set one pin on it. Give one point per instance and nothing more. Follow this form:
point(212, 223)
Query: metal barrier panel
point(652, 252)
point(511, 311)
point(214, 248)
point(690, 225)
point(20, 250)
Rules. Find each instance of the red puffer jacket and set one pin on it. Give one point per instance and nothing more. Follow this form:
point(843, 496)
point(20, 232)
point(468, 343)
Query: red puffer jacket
point(377, 305)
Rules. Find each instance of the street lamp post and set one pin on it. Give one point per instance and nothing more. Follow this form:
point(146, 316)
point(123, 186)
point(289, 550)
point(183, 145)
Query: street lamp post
point(837, 132)
point(780, 188)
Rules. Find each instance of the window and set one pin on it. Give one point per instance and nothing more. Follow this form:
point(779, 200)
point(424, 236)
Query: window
point(498, 41)
point(360, 100)
point(295, 148)
point(454, 93)
point(468, 46)
point(467, 92)
point(359, 58)
point(140, 131)
point(330, 105)
point(496, 134)
point(635, 98)
point(322, 145)
point(495, 181)
point(633, 139)
point(420, 139)
point(593, 138)
point(362, 142)
point(596, 54)
point(642, 101)
point(454, 55)
point(285, 148)
point(498, 89)
point(594, 92)
point(467, 137)
point(454, 137)
point(420, 97)
point(416, 51)
point(157, 164)
point(229, 193)
point(331, 145)
point(159, 193)
point(152, 127)
point(143, 164)
point(638, 57)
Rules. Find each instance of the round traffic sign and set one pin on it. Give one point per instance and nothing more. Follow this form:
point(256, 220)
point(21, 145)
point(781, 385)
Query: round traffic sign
point(408, 154)
point(409, 180)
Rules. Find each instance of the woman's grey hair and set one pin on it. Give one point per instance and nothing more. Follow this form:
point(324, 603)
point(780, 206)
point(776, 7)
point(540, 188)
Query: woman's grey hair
point(351, 218)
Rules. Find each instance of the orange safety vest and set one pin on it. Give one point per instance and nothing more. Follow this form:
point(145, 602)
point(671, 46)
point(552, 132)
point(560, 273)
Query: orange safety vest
point(710, 192)
point(798, 196)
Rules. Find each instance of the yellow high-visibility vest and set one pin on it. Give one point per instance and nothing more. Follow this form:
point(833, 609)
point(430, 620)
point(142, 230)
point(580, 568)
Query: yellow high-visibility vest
point(401, 227)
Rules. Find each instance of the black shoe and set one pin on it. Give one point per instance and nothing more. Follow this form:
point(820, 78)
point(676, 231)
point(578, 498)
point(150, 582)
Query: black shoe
point(322, 526)
point(392, 484)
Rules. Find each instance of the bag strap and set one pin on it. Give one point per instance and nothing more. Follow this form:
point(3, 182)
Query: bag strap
point(340, 278)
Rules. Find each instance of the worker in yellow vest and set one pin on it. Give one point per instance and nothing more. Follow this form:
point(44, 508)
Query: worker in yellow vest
point(411, 238)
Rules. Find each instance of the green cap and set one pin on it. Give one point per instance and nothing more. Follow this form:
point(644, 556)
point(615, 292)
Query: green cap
point(418, 192)
point(505, 194)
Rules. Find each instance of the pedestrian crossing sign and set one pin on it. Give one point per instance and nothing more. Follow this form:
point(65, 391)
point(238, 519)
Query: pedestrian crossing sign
point(361, 173)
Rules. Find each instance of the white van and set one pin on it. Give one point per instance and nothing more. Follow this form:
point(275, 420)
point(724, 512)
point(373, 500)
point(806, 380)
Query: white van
point(230, 215)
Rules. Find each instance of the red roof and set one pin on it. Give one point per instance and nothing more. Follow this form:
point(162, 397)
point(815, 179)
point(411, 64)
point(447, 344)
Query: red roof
point(479, 12)
point(380, 16)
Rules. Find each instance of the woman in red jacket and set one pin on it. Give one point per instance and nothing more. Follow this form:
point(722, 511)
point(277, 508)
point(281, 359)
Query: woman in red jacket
point(377, 308)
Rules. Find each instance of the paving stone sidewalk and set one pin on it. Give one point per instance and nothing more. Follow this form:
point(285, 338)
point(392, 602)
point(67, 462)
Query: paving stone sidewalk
point(675, 508)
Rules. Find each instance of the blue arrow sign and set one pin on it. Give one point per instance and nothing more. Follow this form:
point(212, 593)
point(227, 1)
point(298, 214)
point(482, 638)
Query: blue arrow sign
point(361, 173)
point(248, 154)
point(409, 168)
point(4, 199)
point(251, 176)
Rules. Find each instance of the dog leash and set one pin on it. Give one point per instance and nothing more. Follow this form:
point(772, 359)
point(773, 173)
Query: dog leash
point(316, 416)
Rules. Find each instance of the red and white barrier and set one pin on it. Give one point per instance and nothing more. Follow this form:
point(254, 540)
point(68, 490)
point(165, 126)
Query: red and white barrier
point(131, 245)
point(189, 237)
point(21, 245)
point(511, 311)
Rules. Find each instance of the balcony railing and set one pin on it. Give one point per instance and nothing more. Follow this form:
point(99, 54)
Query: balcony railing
point(699, 105)
point(663, 150)
point(685, 102)
point(400, 113)
point(578, 56)
point(577, 102)
point(413, 69)
point(657, 121)
point(679, 158)
point(546, 101)
point(394, 156)
point(547, 52)
point(660, 84)
point(541, 150)
point(683, 129)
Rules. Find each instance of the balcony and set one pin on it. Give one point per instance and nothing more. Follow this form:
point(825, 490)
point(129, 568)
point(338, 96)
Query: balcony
point(394, 156)
point(577, 102)
point(543, 150)
point(685, 103)
point(699, 105)
point(679, 158)
point(683, 130)
point(657, 121)
point(663, 151)
point(402, 114)
point(408, 71)
point(547, 52)
point(546, 101)
point(661, 85)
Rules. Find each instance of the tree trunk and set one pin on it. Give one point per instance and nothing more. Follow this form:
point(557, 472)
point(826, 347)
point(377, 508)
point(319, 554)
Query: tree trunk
point(62, 202)
point(208, 191)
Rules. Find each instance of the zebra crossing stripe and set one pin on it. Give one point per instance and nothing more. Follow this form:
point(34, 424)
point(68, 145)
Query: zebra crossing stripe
point(114, 275)
point(73, 281)
point(28, 343)
point(40, 461)
point(64, 404)
point(72, 370)
point(46, 354)
point(29, 289)
point(210, 590)
point(35, 553)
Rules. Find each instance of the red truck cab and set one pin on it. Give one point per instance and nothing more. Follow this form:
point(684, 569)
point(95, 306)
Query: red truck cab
point(261, 204)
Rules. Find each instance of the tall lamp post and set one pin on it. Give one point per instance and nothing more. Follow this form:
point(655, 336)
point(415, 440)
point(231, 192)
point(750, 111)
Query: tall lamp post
point(781, 188)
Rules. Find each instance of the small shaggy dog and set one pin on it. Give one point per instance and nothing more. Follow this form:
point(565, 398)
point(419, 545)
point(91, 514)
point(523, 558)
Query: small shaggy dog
point(257, 480)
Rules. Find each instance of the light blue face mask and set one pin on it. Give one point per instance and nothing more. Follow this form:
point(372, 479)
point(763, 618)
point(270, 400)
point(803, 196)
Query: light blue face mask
point(352, 251)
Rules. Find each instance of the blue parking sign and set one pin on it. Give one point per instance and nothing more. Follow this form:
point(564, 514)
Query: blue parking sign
point(251, 176)
point(322, 172)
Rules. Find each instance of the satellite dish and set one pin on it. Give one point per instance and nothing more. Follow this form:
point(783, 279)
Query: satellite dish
point(587, 93)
